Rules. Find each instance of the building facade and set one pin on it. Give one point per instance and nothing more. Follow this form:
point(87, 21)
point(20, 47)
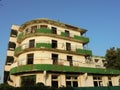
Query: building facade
point(56, 54)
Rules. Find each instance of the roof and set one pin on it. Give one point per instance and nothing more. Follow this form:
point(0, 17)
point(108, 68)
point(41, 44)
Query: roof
point(48, 21)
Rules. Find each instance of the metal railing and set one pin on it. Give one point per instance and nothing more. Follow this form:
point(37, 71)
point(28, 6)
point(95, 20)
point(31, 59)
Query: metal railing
point(59, 61)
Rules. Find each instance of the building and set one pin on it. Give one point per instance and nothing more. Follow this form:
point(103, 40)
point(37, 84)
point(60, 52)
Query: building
point(55, 54)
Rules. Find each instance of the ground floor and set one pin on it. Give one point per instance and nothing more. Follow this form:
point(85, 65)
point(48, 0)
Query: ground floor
point(59, 79)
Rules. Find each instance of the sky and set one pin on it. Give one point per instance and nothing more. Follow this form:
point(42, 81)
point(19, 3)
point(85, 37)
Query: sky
point(100, 17)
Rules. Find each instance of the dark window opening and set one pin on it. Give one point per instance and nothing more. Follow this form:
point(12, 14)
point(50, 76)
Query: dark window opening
point(30, 58)
point(54, 77)
point(33, 29)
point(97, 80)
point(13, 33)
point(96, 84)
point(69, 58)
point(71, 81)
point(68, 46)
point(9, 60)
point(75, 84)
point(31, 43)
point(54, 44)
point(68, 77)
point(28, 80)
point(68, 83)
point(27, 31)
point(54, 30)
point(55, 58)
point(6, 76)
point(109, 81)
point(11, 46)
point(55, 84)
point(55, 81)
point(67, 33)
point(96, 60)
point(43, 26)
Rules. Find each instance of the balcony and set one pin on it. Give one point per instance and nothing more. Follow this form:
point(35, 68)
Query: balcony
point(59, 68)
point(81, 38)
point(84, 52)
point(48, 47)
point(20, 36)
point(43, 45)
point(18, 49)
point(24, 48)
point(58, 61)
point(43, 30)
point(48, 32)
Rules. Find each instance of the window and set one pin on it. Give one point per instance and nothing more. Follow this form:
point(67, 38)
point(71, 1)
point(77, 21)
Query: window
point(97, 80)
point(28, 80)
point(55, 58)
point(69, 58)
point(54, 30)
point(67, 33)
point(54, 44)
point(71, 81)
point(9, 60)
point(109, 81)
point(27, 31)
point(30, 58)
point(31, 43)
point(68, 46)
point(13, 33)
point(43, 26)
point(33, 29)
point(11, 46)
point(55, 81)
point(96, 60)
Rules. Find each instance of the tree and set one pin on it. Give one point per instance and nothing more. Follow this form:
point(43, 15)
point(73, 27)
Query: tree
point(113, 58)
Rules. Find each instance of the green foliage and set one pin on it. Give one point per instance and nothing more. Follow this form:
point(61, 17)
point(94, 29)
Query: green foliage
point(84, 52)
point(49, 67)
point(44, 30)
point(83, 39)
point(20, 36)
point(45, 45)
point(113, 58)
point(5, 87)
point(18, 49)
point(63, 34)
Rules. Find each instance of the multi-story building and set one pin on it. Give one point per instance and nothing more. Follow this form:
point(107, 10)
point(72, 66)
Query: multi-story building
point(54, 53)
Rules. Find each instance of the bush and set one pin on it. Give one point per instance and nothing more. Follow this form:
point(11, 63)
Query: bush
point(5, 87)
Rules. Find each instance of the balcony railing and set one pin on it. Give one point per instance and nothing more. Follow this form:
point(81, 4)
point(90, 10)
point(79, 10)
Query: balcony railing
point(59, 68)
point(74, 50)
point(18, 49)
point(38, 45)
point(81, 38)
point(49, 60)
point(20, 36)
point(43, 30)
point(84, 52)
point(43, 45)
point(49, 31)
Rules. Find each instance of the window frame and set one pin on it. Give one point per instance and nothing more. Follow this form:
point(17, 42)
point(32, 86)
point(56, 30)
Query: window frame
point(30, 58)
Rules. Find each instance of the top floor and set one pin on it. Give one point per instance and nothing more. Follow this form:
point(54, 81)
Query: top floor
point(50, 22)
point(51, 28)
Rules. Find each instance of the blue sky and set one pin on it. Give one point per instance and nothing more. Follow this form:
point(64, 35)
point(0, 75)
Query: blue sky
point(100, 17)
